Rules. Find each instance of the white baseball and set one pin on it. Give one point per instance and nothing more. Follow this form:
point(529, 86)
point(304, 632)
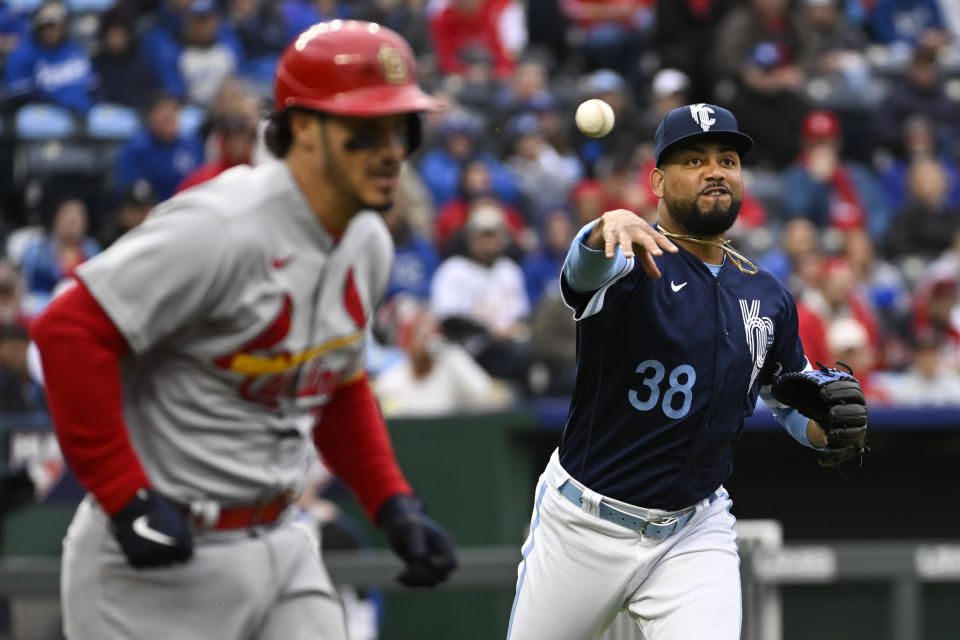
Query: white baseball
point(594, 118)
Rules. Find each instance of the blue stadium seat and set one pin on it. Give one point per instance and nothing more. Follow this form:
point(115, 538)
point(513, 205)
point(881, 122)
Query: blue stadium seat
point(44, 121)
point(191, 117)
point(24, 6)
point(90, 6)
point(52, 158)
point(108, 121)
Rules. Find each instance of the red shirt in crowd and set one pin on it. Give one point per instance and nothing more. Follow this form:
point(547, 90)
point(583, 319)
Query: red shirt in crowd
point(455, 30)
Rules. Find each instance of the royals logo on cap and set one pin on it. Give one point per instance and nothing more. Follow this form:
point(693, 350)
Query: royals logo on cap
point(701, 115)
point(685, 124)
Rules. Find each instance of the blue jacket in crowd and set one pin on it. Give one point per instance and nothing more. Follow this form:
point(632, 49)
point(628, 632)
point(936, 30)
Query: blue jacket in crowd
point(299, 16)
point(41, 269)
point(413, 265)
point(904, 20)
point(808, 198)
point(541, 271)
point(440, 173)
point(162, 164)
point(63, 75)
point(895, 177)
point(12, 22)
point(162, 48)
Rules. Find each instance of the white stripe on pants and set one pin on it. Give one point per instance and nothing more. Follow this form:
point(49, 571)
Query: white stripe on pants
point(579, 571)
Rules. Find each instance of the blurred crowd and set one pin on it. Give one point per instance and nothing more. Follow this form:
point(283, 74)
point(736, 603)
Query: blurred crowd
point(853, 187)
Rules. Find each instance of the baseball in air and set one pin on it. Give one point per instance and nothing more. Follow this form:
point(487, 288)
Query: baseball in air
point(594, 118)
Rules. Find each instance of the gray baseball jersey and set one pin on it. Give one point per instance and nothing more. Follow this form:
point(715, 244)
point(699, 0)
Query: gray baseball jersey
point(244, 314)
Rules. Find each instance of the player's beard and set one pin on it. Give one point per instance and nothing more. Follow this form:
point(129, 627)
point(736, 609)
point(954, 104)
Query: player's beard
point(380, 206)
point(335, 174)
point(387, 198)
point(697, 221)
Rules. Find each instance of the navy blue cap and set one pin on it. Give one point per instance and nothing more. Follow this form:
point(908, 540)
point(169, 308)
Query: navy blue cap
point(684, 124)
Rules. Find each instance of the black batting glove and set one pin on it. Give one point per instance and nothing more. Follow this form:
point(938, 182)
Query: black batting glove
point(424, 546)
point(152, 532)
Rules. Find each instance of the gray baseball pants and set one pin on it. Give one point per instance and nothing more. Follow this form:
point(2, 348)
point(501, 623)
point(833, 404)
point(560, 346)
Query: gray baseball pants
point(259, 584)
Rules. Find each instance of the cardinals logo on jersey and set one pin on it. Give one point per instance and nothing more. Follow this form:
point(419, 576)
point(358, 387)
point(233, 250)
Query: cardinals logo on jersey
point(272, 373)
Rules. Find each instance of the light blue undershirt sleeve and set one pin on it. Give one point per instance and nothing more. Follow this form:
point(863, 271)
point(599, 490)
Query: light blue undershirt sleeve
point(589, 269)
point(789, 418)
point(796, 425)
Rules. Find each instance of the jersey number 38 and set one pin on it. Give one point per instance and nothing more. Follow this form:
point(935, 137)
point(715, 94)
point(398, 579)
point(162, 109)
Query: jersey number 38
point(653, 373)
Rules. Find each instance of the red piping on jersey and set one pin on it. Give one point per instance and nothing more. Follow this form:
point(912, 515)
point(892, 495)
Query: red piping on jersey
point(352, 437)
point(270, 336)
point(352, 303)
point(81, 350)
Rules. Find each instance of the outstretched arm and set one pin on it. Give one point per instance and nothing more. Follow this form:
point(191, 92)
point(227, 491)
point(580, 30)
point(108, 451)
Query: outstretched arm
point(630, 232)
point(602, 249)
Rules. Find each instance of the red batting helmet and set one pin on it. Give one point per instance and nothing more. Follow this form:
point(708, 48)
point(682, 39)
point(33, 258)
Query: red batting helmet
point(352, 68)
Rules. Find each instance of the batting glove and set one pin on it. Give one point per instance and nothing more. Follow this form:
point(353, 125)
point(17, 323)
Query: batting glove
point(152, 532)
point(424, 546)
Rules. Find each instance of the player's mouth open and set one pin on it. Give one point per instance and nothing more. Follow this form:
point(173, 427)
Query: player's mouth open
point(386, 178)
point(715, 192)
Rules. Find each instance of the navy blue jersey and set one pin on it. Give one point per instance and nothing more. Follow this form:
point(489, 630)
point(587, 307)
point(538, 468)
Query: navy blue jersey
point(667, 371)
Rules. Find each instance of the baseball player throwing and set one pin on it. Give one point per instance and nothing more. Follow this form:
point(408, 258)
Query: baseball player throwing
point(675, 342)
point(193, 363)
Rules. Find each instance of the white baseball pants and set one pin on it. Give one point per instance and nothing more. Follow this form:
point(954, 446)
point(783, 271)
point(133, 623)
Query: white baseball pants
point(237, 586)
point(579, 571)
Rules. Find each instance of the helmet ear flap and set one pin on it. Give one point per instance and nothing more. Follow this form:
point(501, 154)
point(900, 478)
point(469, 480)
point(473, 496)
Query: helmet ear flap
point(414, 131)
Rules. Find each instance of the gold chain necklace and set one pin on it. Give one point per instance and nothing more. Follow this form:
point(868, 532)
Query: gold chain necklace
point(738, 259)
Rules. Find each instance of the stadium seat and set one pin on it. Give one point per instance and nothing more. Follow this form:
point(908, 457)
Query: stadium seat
point(24, 6)
point(108, 121)
point(55, 158)
point(44, 122)
point(191, 117)
point(89, 6)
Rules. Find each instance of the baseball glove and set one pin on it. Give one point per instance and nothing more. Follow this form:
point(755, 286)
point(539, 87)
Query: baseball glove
point(834, 399)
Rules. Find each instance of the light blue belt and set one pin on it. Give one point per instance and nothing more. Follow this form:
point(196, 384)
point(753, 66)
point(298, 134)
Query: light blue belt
point(656, 529)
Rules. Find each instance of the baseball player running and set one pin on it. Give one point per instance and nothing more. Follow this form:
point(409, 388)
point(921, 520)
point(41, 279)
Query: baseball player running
point(675, 342)
point(193, 363)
